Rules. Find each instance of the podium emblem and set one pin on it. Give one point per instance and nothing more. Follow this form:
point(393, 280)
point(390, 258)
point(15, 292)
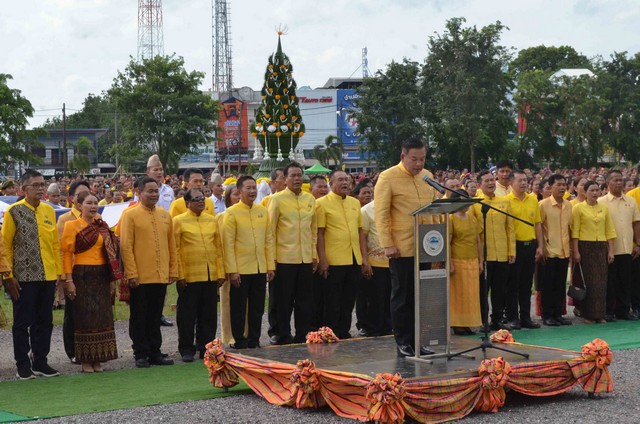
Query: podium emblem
point(433, 243)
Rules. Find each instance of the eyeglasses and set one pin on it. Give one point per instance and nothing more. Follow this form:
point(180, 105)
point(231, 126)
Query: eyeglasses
point(197, 199)
point(36, 185)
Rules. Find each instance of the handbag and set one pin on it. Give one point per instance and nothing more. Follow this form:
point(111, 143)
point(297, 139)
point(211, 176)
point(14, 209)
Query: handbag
point(574, 292)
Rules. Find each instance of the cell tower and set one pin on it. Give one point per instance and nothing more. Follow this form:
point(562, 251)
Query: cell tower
point(365, 64)
point(221, 47)
point(150, 39)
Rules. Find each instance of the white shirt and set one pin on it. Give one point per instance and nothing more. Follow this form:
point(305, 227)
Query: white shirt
point(166, 197)
point(218, 204)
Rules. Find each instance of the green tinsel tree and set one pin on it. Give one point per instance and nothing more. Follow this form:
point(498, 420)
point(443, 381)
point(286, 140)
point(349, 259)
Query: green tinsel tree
point(278, 125)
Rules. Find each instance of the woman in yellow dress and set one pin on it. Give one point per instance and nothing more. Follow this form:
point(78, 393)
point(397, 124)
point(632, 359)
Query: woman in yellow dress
point(465, 266)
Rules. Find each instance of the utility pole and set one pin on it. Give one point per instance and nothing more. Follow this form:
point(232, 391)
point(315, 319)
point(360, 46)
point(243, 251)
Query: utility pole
point(116, 139)
point(64, 139)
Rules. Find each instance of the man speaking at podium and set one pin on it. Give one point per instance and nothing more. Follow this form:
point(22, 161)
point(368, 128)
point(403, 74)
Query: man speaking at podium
point(401, 190)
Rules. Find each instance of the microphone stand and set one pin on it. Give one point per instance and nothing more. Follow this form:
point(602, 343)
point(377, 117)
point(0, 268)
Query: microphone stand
point(486, 342)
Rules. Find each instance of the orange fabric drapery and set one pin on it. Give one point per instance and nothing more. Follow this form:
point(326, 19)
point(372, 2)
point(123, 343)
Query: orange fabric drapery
point(388, 398)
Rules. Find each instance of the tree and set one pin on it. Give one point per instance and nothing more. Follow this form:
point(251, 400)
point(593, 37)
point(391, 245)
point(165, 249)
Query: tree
point(547, 59)
point(15, 140)
point(163, 110)
point(81, 161)
point(389, 111)
point(331, 151)
point(464, 94)
point(619, 83)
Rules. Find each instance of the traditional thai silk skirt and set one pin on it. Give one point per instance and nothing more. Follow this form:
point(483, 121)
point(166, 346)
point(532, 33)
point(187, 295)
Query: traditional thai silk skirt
point(95, 338)
point(464, 294)
point(593, 257)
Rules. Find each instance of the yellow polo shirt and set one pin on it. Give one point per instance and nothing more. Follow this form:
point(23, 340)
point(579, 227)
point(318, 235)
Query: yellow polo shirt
point(198, 247)
point(575, 201)
point(527, 209)
point(341, 219)
point(179, 206)
point(635, 195)
point(501, 238)
point(147, 245)
point(592, 223)
point(397, 194)
point(556, 227)
point(294, 226)
point(36, 257)
point(501, 190)
point(624, 212)
point(247, 240)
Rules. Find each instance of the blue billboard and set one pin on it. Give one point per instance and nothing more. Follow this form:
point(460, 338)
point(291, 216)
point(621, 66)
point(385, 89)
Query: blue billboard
point(346, 125)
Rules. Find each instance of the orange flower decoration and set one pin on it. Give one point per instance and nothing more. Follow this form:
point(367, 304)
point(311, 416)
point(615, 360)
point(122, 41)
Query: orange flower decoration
point(278, 133)
point(277, 97)
point(386, 393)
point(323, 335)
point(502, 336)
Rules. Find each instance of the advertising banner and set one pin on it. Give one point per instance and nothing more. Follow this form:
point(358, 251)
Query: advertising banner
point(347, 126)
point(234, 123)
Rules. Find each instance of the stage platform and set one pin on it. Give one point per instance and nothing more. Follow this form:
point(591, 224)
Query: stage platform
point(364, 379)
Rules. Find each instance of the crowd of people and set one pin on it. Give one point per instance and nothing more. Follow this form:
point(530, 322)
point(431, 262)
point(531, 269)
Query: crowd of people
point(316, 250)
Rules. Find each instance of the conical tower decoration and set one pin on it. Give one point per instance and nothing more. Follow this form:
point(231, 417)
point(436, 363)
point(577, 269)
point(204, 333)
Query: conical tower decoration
point(278, 125)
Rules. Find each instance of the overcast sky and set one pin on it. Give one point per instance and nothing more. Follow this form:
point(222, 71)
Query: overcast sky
point(61, 50)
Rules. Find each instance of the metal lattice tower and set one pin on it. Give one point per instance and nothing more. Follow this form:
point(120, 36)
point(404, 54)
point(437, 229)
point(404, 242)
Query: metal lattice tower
point(365, 64)
point(221, 47)
point(150, 38)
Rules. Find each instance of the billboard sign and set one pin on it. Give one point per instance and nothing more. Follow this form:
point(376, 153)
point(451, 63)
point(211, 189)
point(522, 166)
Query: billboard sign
point(347, 126)
point(233, 122)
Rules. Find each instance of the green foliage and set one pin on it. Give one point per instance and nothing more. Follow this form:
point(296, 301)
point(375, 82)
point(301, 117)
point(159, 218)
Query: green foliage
point(547, 59)
point(331, 151)
point(464, 93)
point(16, 141)
point(164, 111)
point(389, 111)
point(278, 124)
point(81, 161)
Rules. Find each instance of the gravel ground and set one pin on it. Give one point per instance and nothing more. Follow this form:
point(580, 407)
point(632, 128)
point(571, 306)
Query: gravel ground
point(622, 406)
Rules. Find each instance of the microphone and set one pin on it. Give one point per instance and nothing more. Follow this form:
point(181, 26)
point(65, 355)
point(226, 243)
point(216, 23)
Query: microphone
point(433, 183)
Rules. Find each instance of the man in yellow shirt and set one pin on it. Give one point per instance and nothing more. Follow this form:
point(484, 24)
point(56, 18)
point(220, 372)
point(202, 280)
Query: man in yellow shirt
point(341, 252)
point(194, 179)
point(626, 220)
point(501, 250)
point(319, 186)
point(249, 261)
point(399, 191)
point(33, 252)
point(276, 185)
point(555, 214)
point(150, 262)
point(201, 272)
point(292, 215)
point(529, 248)
point(503, 177)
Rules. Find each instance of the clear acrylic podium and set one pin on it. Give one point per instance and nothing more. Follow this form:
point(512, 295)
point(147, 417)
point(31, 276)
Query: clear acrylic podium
point(431, 284)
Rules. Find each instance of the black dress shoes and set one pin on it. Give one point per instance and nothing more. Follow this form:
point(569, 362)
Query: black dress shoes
point(165, 322)
point(160, 361)
point(524, 323)
point(563, 321)
point(425, 351)
point(406, 350)
point(551, 322)
point(142, 363)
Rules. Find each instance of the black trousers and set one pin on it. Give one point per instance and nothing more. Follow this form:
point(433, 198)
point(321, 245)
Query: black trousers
point(497, 278)
point(68, 328)
point(520, 281)
point(553, 285)
point(33, 322)
point(318, 283)
point(197, 310)
point(294, 293)
point(146, 303)
point(252, 289)
point(272, 311)
point(619, 285)
point(373, 309)
point(402, 300)
point(635, 286)
point(340, 290)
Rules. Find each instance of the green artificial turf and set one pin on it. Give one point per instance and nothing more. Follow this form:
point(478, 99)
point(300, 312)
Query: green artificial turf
point(86, 393)
point(619, 335)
